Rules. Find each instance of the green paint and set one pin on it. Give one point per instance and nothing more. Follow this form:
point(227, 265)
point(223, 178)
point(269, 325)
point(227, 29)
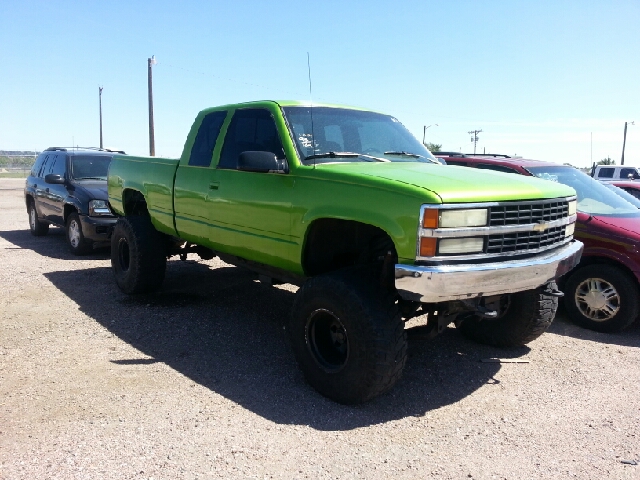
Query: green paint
point(265, 217)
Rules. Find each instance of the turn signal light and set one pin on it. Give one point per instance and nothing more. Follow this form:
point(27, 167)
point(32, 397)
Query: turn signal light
point(428, 246)
point(430, 218)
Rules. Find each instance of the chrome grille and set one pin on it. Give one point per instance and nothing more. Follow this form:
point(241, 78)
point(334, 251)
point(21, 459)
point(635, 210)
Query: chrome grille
point(523, 213)
point(521, 242)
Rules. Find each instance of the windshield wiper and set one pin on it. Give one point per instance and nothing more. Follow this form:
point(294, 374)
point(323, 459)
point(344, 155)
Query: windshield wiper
point(405, 154)
point(333, 155)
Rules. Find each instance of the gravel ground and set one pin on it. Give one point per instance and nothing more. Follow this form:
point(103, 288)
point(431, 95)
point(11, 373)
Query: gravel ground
point(198, 381)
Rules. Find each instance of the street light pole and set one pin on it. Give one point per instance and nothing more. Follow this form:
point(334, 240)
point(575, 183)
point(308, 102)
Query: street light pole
point(424, 133)
point(100, 97)
point(624, 141)
point(152, 142)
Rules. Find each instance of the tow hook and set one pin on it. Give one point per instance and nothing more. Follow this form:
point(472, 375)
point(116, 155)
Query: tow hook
point(553, 292)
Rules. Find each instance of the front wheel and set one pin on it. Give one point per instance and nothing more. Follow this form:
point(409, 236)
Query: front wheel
point(75, 238)
point(138, 255)
point(602, 298)
point(348, 336)
point(522, 317)
point(36, 227)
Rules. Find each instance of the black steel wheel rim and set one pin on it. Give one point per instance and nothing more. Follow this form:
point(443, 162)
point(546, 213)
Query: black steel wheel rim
point(327, 340)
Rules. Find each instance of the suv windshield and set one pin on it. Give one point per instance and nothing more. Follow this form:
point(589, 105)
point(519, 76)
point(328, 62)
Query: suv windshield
point(94, 167)
point(593, 197)
point(344, 135)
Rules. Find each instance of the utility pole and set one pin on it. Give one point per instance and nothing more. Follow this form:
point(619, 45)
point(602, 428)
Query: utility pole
point(624, 140)
point(424, 133)
point(152, 142)
point(100, 97)
point(474, 138)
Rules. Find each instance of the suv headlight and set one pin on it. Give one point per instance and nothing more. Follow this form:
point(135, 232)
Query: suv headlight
point(573, 206)
point(99, 208)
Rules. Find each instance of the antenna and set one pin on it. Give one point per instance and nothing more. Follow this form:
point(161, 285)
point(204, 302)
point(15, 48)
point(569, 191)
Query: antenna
point(313, 137)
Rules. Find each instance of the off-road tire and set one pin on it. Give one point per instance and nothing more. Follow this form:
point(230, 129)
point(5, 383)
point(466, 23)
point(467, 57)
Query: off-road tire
point(37, 227)
point(75, 238)
point(369, 321)
point(618, 287)
point(528, 316)
point(138, 255)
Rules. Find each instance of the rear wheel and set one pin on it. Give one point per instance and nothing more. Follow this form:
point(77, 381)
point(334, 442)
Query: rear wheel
point(36, 227)
point(603, 298)
point(75, 238)
point(138, 255)
point(348, 336)
point(522, 317)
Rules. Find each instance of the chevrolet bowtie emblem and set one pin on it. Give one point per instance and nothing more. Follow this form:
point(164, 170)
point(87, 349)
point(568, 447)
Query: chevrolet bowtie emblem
point(540, 226)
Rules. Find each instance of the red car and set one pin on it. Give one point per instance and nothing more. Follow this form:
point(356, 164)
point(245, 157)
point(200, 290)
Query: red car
point(603, 292)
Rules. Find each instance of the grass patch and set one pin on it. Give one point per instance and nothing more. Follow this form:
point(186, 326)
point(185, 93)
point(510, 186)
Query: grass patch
point(14, 175)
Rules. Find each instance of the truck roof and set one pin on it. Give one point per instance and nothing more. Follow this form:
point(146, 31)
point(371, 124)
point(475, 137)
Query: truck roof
point(283, 103)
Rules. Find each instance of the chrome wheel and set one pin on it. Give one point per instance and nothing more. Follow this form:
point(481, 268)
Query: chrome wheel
point(32, 218)
point(74, 233)
point(597, 299)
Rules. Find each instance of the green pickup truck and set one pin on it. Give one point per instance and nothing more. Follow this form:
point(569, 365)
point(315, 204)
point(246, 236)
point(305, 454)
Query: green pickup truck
point(348, 205)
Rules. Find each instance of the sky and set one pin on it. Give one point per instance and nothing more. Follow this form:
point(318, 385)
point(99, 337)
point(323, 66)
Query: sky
point(549, 80)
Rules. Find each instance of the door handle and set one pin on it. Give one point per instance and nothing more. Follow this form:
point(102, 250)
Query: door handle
point(214, 185)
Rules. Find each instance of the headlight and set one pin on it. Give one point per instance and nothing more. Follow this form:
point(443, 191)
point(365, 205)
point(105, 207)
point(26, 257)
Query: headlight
point(99, 208)
point(434, 218)
point(460, 245)
point(573, 206)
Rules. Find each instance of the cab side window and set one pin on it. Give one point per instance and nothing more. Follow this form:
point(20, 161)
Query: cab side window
point(59, 165)
point(251, 129)
point(626, 172)
point(205, 142)
point(606, 173)
point(45, 165)
point(35, 170)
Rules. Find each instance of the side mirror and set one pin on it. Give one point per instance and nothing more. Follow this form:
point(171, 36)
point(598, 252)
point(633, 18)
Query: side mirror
point(261, 162)
point(54, 178)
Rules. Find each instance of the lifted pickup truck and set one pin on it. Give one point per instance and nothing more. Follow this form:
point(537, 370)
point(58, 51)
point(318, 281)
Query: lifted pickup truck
point(348, 205)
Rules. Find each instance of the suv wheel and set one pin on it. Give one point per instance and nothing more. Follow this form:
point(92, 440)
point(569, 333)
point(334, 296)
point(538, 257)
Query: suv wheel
point(602, 298)
point(75, 238)
point(348, 336)
point(36, 227)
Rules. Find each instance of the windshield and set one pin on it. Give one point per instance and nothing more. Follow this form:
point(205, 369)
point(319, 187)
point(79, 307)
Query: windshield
point(94, 167)
point(593, 197)
point(344, 135)
point(624, 194)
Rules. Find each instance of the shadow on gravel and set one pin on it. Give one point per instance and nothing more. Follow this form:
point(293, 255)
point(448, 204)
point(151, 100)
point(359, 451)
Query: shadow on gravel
point(225, 331)
point(627, 338)
point(52, 245)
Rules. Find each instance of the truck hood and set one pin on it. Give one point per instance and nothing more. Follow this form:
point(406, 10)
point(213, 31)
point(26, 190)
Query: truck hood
point(454, 184)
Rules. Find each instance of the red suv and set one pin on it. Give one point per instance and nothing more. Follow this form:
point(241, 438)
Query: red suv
point(603, 292)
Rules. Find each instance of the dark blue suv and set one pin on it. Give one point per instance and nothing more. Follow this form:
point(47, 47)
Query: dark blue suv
point(68, 187)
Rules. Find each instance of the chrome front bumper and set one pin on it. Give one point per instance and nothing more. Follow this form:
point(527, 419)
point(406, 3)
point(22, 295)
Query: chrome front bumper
point(441, 283)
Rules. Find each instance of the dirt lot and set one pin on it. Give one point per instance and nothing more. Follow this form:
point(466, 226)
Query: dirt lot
point(198, 381)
